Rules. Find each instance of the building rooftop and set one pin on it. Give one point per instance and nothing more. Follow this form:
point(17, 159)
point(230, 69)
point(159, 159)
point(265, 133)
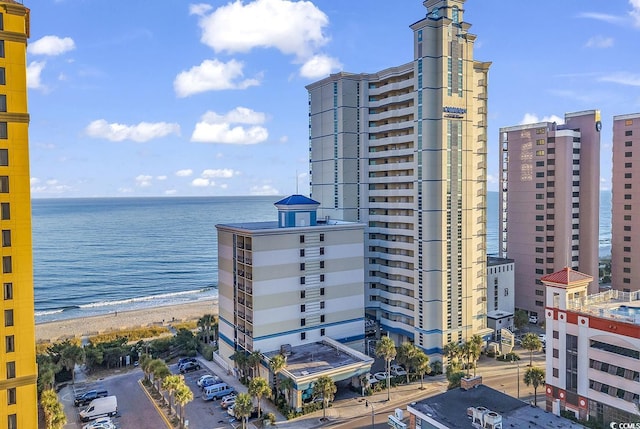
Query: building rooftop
point(612, 304)
point(296, 200)
point(268, 225)
point(495, 260)
point(450, 409)
point(567, 276)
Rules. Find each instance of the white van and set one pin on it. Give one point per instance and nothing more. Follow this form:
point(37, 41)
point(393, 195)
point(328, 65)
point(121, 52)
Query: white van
point(100, 407)
point(216, 391)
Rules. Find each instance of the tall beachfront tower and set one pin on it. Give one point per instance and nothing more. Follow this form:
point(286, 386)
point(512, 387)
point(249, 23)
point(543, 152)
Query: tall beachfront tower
point(404, 151)
point(18, 372)
point(625, 234)
point(549, 201)
point(291, 282)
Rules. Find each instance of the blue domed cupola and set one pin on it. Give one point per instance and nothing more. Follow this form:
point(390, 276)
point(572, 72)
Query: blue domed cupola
point(296, 210)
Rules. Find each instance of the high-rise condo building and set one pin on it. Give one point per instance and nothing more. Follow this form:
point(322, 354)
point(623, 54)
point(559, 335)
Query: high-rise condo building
point(625, 233)
point(549, 202)
point(18, 372)
point(404, 150)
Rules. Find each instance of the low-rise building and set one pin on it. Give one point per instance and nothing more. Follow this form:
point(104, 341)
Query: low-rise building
point(593, 350)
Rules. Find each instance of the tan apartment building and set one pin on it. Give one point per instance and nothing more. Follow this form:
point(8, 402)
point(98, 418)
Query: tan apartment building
point(549, 201)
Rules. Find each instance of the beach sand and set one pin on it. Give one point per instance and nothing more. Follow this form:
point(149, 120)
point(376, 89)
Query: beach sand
point(86, 326)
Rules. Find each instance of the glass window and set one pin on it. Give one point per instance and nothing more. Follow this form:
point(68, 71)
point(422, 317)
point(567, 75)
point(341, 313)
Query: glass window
point(5, 213)
point(11, 396)
point(303, 322)
point(1, 44)
point(3, 76)
point(4, 157)
point(6, 264)
point(303, 335)
point(3, 103)
point(10, 343)
point(12, 421)
point(628, 122)
point(11, 370)
point(3, 130)
point(8, 317)
point(8, 291)
point(6, 238)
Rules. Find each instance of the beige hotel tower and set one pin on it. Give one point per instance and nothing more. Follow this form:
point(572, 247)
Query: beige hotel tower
point(404, 150)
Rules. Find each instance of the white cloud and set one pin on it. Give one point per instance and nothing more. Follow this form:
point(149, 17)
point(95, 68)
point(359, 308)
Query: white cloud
point(161, 177)
point(199, 9)
point(623, 78)
point(284, 139)
point(215, 128)
point(222, 173)
point(51, 46)
point(50, 186)
point(184, 173)
point(611, 19)
point(532, 118)
point(319, 66)
point(291, 27)
point(635, 12)
point(170, 192)
point(142, 132)
point(599, 42)
point(212, 75)
point(125, 190)
point(34, 71)
point(264, 190)
point(202, 182)
point(143, 180)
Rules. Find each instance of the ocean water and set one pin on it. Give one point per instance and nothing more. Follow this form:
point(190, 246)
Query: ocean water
point(95, 256)
point(98, 255)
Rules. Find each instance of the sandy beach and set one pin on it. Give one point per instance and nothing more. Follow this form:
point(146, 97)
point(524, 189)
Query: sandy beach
point(85, 326)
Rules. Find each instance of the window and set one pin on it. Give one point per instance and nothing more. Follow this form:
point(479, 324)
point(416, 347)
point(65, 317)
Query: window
point(539, 304)
point(4, 184)
point(627, 186)
point(322, 250)
point(321, 277)
point(12, 421)
point(302, 266)
point(303, 335)
point(3, 103)
point(302, 308)
point(321, 304)
point(539, 271)
point(628, 144)
point(539, 292)
point(302, 239)
point(5, 213)
point(626, 249)
point(540, 174)
point(556, 353)
point(539, 250)
point(553, 194)
point(303, 322)
point(321, 237)
point(628, 133)
point(539, 153)
point(321, 264)
point(3, 76)
point(627, 196)
point(301, 252)
point(539, 185)
point(628, 122)
point(539, 261)
point(539, 206)
point(4, 157)
point(539, 239)
point(8, 317)
point(3, 131)
point(1, 42)
point(506, 291)
point(322, 318)
point(6, 238)
point(627, 238)
point(6, 264)
point(627, 259)
point(551, 184)
point(8, 291)
point(628, 154)
point(556, 373)
point(11, 370)
point(627, 217)
point(627, 206)
point(321, 291)
point(628, 176)
point(626, 270)
point(10, 344)
point(303, 294)
point(11, 396)
point(302, 280)
point(539, 196)
point(539, 163)
point(539, 217)
point(322, 331)
point(539, 228)
point(628, 165)
point(540, 142)
point(626, 280)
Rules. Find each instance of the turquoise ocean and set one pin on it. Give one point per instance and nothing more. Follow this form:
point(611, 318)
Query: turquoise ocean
point(98, 255)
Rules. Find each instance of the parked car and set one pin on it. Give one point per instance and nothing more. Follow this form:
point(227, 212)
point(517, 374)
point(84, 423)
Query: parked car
point(533, 319)
point(226, 403)
point(210, 382)
point(189, 366)
point(254, 413)
point(88, 396)
point(206, 378)
point(370, 379)
point(398, 371)
point(543, 339)
point(101, 423)
point(184, 360)
point(100, 407)
point(380, 376)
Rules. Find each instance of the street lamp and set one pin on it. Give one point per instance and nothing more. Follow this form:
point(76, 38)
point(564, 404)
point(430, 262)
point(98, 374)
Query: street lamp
point(367, 404)
point(518, 374)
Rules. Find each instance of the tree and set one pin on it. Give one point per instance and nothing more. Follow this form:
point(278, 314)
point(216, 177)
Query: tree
point(259, 387)
point(474, 349)
point(253, 361)
point(324, 387)
point(205, 323)
point(240, 361)
point(145, 364)
point(421, 364)
point(46, 372)
point(243, 407)
point(171, 383)
point(70, 356)
point(277, 364)
point(534, 376)
point(520, 319)
point(386, 349)
point(531, 342)
point(287, 385)
point(53, 411)
point(183, 395)
point(406, 353)
point(453, 352)
point(160, 370)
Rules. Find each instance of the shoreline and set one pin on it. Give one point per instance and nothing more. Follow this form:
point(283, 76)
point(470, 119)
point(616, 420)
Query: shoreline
point(79, 327)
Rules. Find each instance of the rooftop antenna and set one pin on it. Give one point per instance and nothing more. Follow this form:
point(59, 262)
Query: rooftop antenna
point(297, 183)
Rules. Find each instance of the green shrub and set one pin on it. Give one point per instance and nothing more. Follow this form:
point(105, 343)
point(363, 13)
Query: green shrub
point(509, 357)
point(454, 379)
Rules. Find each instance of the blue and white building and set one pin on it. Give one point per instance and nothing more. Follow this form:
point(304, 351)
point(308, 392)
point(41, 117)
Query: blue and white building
point(291, 282)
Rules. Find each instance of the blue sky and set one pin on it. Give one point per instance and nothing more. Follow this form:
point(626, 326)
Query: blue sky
point(171, 98)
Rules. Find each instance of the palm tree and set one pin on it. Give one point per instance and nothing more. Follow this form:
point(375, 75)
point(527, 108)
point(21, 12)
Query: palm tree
point(46, 375)
point(531, 342)
point(277, 364)
point(183, 396)
point(259, 387)
point(205, 324)
point(145, 364)
point(240, 361)
point(534, 376)
point(53, 411)
point(387, 349)
point(160, 370)
point(243, 407)
point(406, 353)
point(253, 361)
point(421, 364)
point(453, 352)
point(325, 387)
point(171, 383)
point(474, 349)
point(287, 385)
point(70, 356)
